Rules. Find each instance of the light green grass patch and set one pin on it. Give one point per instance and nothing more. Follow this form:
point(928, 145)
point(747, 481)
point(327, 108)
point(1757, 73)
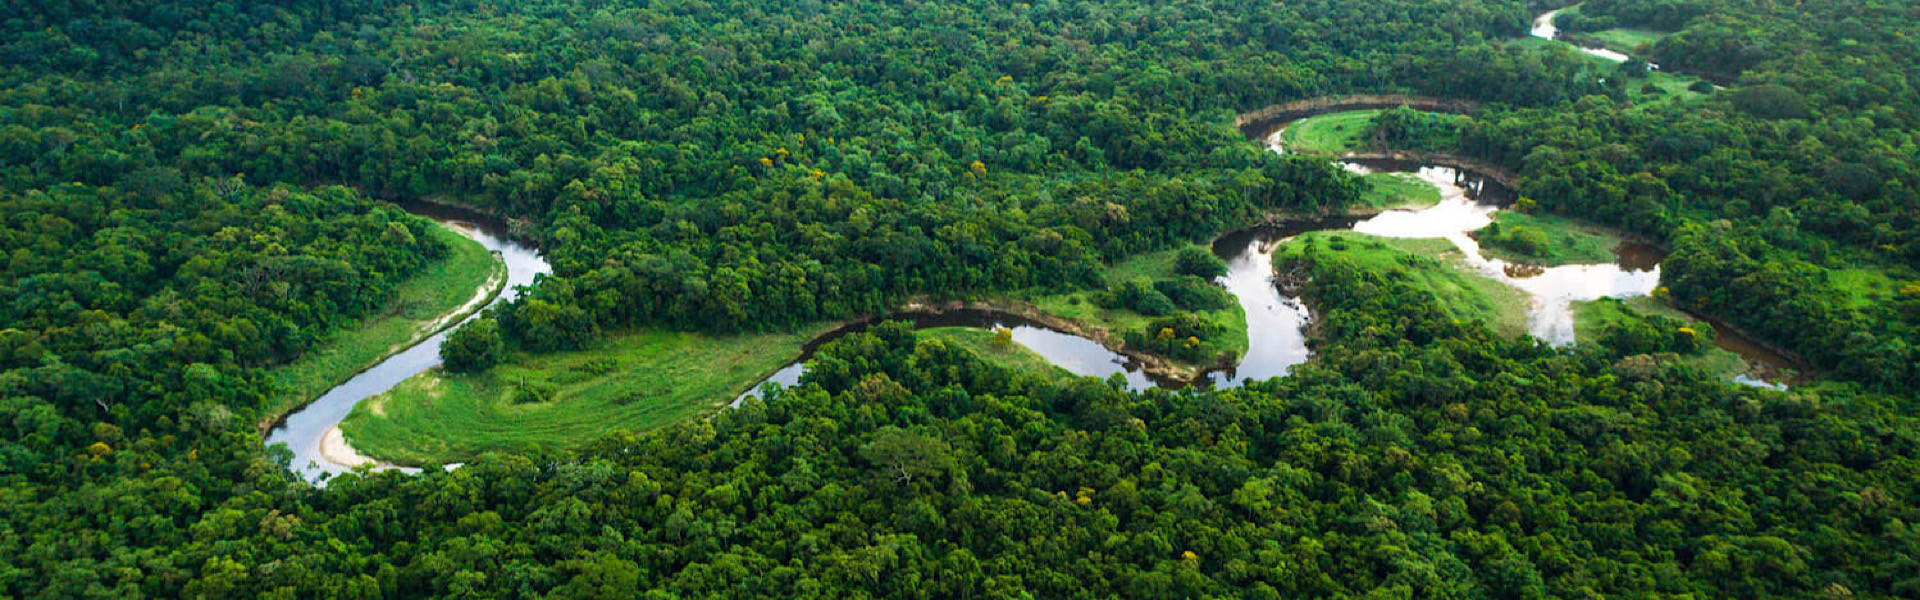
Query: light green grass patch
point(1387, 191)
point(1566, 241)
point(1592, 318)
point(418, 304)
point(1627, 40)
point(1011, 355)
point(1865, 287)
point(635, 381)
point(1434, 265)
point(1335, 133)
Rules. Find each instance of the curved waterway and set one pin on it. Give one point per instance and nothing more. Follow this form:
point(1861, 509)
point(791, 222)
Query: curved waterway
point(1078, 355)
point(1543, 28)
point(1277, 323)
point(313, 433)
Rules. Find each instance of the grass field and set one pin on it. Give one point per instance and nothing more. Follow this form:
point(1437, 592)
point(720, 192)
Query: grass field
point(1566, 241)
point(1627, 41)
point(635, 381)
point(1866, 287)
point(418, 305)
point(1335, 133)
point(1591, 318)
point(980, 341)
point(1079, 307)
point(1434, 265)
point(1396, 190)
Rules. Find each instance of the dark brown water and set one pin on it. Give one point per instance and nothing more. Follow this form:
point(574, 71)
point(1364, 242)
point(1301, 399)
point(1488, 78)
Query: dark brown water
point(303, 430)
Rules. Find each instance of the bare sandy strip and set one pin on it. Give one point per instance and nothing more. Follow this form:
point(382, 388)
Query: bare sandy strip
point(334, 449)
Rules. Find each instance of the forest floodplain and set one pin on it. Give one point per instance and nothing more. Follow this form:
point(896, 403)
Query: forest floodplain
point(635, 380)
point(1625, 40)
point(1642, 89)
point(1591, 319)
point(1431, 264)
point(1545, 239)
point(442, 294)
point(1081, 307)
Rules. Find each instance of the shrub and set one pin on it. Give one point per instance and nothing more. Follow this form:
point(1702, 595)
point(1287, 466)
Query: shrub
point(474, 347)
point(1199, 263)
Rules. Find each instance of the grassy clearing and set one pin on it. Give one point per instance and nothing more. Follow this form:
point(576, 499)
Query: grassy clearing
point(1336, 133)
point(1012, 355)
point(1386, 191)
point(444, 286)
point(1627, 40)
point(1591, 318)
point(1866, 287)
point(1079, 306)
point(1544, 239)
point(1434, 265)
point(635, 380)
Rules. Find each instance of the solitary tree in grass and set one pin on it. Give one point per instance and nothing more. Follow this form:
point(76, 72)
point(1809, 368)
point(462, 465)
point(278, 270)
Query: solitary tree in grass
point(473, 347)
point(1199, 263)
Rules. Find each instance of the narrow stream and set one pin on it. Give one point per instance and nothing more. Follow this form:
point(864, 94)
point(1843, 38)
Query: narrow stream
point(307, 430)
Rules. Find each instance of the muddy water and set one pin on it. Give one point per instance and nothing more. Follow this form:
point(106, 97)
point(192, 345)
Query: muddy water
point(304, 430)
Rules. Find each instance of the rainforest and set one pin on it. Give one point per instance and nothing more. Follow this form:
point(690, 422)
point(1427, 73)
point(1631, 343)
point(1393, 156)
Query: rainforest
point(1394, 299)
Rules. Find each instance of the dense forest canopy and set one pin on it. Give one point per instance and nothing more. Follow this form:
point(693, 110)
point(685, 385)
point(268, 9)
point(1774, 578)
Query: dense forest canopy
point(192, 191)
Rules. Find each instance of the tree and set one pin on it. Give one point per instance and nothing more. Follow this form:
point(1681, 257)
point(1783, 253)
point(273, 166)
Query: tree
point(906, 455)
point(474, 347)
point(1199, 263)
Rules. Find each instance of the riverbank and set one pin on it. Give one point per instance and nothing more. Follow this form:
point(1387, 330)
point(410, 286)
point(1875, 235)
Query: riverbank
point(443, 294)
point(634, 380)
point(1431, 264)
point(1546, 240)
point(1266, 118)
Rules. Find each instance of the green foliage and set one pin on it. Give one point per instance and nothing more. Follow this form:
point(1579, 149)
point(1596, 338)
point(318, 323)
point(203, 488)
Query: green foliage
point(1337, 133)
point(1193, 293)
point(463, 279)
point(733, 166)
point(474, 347)
point(631, 380)
point(1198, 262)
point(1545, 239)
point(1137, 295)
point(1182, 336)
point(1433, 266)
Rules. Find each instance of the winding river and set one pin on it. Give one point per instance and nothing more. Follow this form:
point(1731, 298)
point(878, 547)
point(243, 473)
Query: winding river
point(1543, 28)
point(313, 432)
point(1276, 323)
